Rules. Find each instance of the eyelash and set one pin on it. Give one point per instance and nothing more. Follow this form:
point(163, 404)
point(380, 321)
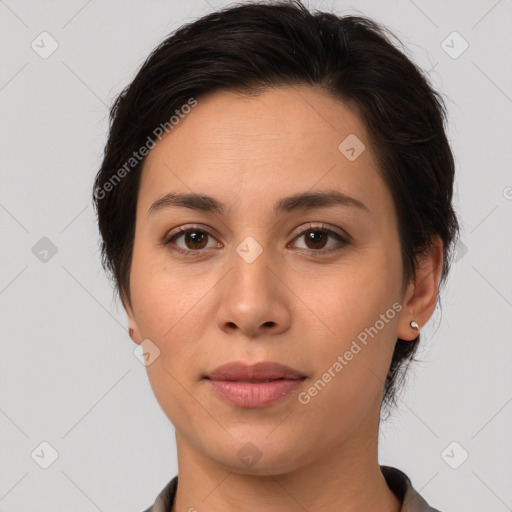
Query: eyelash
point(193, 253)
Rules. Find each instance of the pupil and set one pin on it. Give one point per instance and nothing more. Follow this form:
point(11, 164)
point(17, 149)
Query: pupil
point(316, 237)
point(193, 236)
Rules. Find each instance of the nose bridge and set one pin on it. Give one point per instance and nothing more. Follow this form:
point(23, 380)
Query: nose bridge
point(251, 299)
point(251, 260)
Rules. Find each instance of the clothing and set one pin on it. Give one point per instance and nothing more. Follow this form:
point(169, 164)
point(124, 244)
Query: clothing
point(397, 481)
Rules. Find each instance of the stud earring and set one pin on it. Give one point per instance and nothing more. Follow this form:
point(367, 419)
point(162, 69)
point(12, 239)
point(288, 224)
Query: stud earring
point(414, 325)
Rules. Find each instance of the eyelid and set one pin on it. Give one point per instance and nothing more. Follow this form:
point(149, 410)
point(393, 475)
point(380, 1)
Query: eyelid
point(184, 228)
point(323, 227)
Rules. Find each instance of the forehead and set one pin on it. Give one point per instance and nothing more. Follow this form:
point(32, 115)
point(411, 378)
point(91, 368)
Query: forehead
point(284, 138)
point(227, 121)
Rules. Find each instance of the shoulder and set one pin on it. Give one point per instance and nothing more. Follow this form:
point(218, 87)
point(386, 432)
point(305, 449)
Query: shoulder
point(402, 486)
point(165, 499)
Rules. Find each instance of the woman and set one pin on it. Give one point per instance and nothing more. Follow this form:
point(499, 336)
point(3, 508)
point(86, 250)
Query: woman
point(275, 210)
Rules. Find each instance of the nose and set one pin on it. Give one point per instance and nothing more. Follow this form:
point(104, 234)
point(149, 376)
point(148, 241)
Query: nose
point(254, 298)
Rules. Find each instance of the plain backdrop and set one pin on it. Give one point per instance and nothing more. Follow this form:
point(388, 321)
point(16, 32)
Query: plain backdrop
point(68, 375)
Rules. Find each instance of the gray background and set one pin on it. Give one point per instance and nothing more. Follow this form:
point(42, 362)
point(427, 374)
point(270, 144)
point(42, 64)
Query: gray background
point(67, 369)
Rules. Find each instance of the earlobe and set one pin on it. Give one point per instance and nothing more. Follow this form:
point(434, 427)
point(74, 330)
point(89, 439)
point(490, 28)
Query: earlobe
point(421, 296)
point(133, 330)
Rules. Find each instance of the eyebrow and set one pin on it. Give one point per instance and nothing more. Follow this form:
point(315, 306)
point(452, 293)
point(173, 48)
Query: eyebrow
point(300, 201)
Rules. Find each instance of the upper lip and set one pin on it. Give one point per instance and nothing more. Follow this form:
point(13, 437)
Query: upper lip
point(258, 371)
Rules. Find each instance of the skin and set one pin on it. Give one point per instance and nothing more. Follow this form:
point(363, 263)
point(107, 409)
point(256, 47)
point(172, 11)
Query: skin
point(290, 305)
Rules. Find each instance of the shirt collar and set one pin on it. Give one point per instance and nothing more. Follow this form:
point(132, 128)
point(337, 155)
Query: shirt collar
point(401, 485)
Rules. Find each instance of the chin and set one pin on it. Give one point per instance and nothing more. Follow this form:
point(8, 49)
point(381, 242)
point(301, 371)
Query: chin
point(259, 458)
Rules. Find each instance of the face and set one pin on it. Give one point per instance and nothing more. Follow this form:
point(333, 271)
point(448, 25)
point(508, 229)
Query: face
point(264, 279)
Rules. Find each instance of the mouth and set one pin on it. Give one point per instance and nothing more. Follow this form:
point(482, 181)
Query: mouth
point(253, 386)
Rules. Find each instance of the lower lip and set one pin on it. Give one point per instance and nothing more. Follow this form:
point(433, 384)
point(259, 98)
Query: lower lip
point(254, 394)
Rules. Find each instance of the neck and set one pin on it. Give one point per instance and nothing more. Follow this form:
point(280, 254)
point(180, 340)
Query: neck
point(346, 479)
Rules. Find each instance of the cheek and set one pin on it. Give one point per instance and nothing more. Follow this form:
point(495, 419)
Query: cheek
point(350, 296)
point(172, 309)
point(356, 309)
point(164, 298)
point(351, 364)
point(168, 312)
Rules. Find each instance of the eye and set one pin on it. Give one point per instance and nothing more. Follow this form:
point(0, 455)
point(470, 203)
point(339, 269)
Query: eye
point(316, 238)
point(194, 240)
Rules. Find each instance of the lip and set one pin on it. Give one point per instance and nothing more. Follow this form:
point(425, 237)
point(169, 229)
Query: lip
point(239, 371)
point(253, 395)
point(254, 386)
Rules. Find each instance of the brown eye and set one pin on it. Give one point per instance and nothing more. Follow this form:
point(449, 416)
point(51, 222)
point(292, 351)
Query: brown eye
point(188, 240)
point(195, 239)
point(316, 240)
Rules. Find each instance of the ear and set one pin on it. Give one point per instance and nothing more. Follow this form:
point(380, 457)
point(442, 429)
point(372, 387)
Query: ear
point(133, 327)
point(421, 295)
